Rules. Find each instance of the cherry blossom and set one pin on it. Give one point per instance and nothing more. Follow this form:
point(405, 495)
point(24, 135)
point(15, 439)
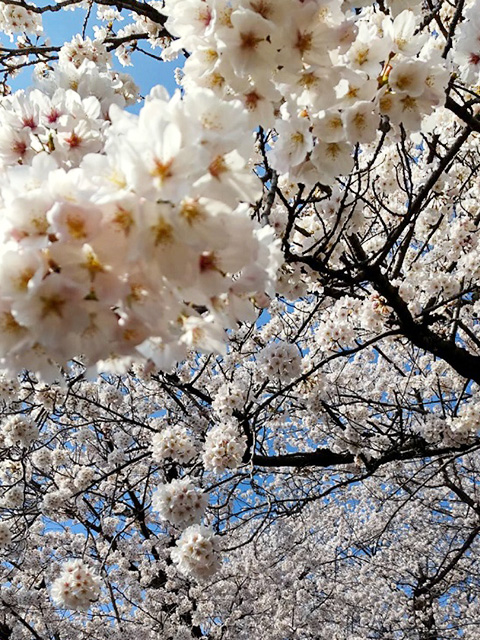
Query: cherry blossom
point(76, 587)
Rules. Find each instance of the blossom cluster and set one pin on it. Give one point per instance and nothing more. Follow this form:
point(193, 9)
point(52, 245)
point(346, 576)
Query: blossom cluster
point(80, 49)
point(5, 535)
point(76, 587)
point(172, 441)
point(158, 221)
point(18, 430)
point(14, 19)
point(64, 116)
point(179, 502)
point(224, 448)
point(197, 552)
point(322, 79)
point(280, 361)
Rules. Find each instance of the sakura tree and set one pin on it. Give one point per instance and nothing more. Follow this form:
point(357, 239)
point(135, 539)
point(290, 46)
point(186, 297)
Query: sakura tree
point(240, 346)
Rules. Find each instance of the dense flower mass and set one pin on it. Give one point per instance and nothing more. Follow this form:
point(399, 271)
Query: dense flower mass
point(224, 448)
point(322, 78)
point(5, 535)
point(18, 430)
point(180, 502)
point(76, 587)
point(174, 442)
point(171, 188)
point(90, 254)
point(197, 552)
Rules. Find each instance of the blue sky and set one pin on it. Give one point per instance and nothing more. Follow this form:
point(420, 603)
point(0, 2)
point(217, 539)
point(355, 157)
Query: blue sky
point(60, 27)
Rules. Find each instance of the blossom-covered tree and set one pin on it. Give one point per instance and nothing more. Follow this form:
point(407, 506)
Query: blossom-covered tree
point(239, 324)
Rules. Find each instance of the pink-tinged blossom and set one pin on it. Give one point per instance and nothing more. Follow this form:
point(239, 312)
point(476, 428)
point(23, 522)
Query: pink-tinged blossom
point(174, 442)
point(293, 143)
point(77, 586)
point(197, 552)
point(19, 431)
point(180, 502)
point(248, 42)
point(466, 49)
point(5, 535)
point(224, 448)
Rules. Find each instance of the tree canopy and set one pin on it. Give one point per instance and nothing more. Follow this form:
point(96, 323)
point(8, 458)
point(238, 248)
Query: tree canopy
point(239, 324)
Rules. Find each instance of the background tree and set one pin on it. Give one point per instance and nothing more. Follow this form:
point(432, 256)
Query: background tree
point(240, 334)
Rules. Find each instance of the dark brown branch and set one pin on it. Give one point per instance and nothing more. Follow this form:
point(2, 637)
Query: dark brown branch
point(327, 458)
point(419, 334)
point(140, 8)
point(318, 458)
point(463, 113)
